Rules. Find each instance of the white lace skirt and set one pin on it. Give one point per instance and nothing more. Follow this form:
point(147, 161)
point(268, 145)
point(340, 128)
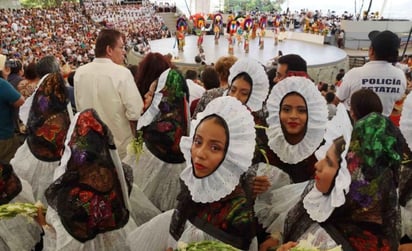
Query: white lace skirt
point(38, 173)
point(157, 179)
point(154, 235)
point(20, 232)
point(406, 214)
point(271, 212)
point(59, 239)
point(142, 209)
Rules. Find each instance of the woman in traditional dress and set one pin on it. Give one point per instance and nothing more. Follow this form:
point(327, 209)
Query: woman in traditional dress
point(18, 232)
point(214, 203)
point(353, 204)
point(155, 155)
point(47, 116)
point(89, 199)
point(297, 123)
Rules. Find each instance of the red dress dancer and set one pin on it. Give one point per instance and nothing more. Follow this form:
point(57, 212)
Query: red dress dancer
point(247, 26)
point(217, 26)
point(181, 28)
point(262, 27)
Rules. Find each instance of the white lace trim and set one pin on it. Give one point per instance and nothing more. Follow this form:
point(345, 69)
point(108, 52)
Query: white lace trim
point(339, 125)
point(260, 88)
point(238, 157)
point(319, 206)
point(316, 125)
point(405, 123)
point(152, 111)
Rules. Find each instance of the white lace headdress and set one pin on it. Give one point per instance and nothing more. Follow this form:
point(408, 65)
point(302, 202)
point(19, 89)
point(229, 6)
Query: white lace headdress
point(316, 124)
point(318, 205)
point(260, 85)
point(237, 159)
point(405, 123)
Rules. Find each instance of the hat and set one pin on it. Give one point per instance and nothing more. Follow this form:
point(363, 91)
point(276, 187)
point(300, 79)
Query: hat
point(385, 44)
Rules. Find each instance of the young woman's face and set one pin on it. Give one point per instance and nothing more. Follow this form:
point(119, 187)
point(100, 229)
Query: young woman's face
point(208, 148)
point(240, 89)
point(326, 170)
point(293, 116)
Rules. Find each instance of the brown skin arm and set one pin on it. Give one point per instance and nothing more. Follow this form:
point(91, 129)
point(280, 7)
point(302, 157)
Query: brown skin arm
point(260, 184)
point(133, 125)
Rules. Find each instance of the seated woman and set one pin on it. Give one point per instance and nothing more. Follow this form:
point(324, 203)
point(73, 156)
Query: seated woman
point(297, 122)
point(17, 232)
point(47, 113)
point(213, 203)
point(89, 198)
point(155, 156)
point(354, 205)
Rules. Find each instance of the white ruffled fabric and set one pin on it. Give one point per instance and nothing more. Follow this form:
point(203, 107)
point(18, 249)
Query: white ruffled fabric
point(158, 180)
point(405, 123)
point(38, 173)
point(141, 208)
point(272, 213)
point(154, 235)
point(260, 87)
point(238, 157)
point(406, 219)
point(318, 205)
point(59, 239)
point(318, 237)
point(151, 112)
point(316, 124)
point(20, 232)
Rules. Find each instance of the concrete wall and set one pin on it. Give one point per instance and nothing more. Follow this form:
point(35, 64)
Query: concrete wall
point(356, 32)
point(12, 4)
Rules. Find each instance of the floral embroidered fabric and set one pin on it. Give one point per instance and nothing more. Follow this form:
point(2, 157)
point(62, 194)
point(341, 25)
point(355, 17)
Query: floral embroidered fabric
point(48, 119)
point(10, 185)
point(89, 197)
point(169, 119)
point(370, 217)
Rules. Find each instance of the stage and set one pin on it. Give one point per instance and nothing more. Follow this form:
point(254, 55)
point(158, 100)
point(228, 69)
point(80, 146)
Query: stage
point(324, 61)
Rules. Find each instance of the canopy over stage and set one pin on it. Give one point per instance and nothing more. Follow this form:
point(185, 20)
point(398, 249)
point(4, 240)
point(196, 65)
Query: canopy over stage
point(324, 61)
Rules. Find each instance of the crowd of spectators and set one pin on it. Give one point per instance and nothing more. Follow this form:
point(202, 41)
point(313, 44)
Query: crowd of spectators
point(68, 32)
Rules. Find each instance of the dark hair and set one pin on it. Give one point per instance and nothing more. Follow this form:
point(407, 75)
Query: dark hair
point(294, 62)
point(210, 78)
point(107, 37)
point(330, 96)
point(150, 69)
point(363, 102)
point(47, 64)
point(133, 69)
point(30, 71)
point(339, 76)
point(14, 65)
point(245, 76)
point(271, 75)
point(70, 78)
point(339, 143)
point(191, 74)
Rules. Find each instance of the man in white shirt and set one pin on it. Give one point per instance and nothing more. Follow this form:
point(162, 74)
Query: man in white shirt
point(109, 88)
point(195, 90)
point(379, 74)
